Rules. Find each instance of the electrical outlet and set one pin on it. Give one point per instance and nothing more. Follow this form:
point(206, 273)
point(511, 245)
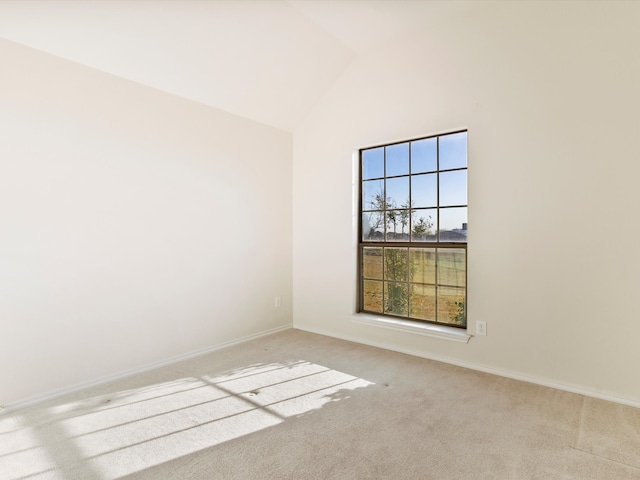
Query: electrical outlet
point(481, 327)
point(277, 301)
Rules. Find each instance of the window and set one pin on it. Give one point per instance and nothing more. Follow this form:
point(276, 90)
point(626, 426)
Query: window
point(413, 229)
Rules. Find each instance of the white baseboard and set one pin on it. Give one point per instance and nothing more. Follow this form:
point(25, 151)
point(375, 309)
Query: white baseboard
point(39, 399)
point(632, 402)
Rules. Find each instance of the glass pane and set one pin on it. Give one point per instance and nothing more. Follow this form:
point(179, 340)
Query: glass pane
point(424, 190)
point(373, 226)
point(395, 264)
point(373, 163)
point(372, 296)
point(423, 265)
point(396, 298)
point(423, 225)
point(453, 151)
point(397, 225)
point(424, 155)
point(397, 159)
point(423, 302)
point(398, 192)
point(453, 188)
point(453, 224)
point(372, 262)
point(452, 305)
point(452, 267)
point(373, 195)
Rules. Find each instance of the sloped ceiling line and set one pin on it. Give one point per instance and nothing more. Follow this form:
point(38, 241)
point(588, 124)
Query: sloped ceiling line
point(269, 61)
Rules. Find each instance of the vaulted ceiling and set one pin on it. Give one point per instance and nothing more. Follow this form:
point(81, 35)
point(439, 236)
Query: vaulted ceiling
point(268, 60)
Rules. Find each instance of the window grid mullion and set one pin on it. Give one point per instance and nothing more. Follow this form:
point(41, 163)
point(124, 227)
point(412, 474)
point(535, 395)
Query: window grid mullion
point(437, 289)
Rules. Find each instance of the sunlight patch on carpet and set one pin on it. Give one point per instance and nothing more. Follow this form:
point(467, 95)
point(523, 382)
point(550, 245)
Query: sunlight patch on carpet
point(21, 454)
point(131, 430)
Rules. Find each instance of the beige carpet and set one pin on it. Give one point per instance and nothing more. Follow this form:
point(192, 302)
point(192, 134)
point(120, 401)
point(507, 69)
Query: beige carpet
point(302, 406)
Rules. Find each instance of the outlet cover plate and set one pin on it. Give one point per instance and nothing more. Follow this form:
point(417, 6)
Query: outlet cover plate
point(481, 327)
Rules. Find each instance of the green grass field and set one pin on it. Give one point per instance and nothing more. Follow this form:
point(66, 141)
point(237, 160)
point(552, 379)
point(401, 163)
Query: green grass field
point(424, 283)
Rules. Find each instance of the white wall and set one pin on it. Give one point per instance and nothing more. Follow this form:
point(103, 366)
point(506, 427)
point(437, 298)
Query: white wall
point(549, 93)
point(134, 225)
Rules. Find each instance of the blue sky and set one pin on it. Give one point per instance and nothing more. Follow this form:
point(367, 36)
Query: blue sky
point(453, 185)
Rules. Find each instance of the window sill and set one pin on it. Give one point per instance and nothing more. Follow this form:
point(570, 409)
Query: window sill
point(429, 330)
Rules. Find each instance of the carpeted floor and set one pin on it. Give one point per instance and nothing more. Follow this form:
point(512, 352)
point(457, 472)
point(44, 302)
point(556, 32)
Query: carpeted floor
point(300, 406)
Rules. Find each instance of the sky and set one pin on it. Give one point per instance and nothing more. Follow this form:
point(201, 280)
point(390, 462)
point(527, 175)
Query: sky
point(418, 162)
